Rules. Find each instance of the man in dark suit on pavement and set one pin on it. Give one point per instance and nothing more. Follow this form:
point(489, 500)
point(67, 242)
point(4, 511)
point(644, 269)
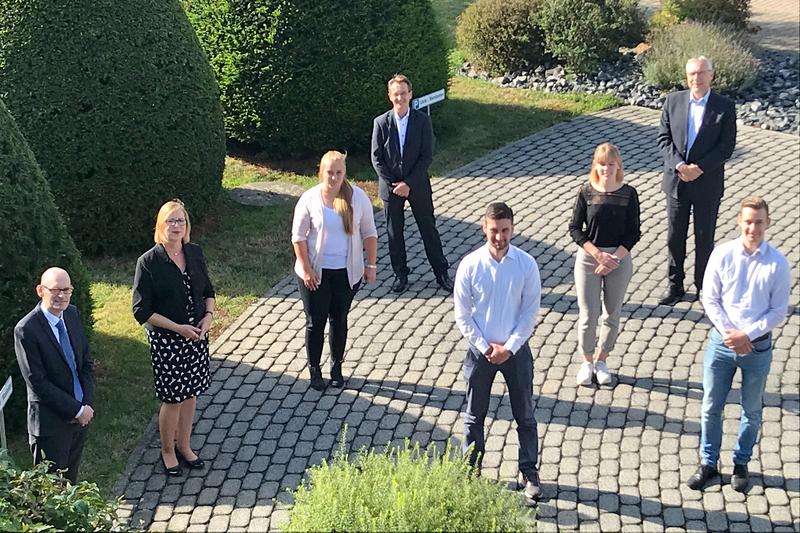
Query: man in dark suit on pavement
point(402, 151)
point(696, 136)
point(53, 356)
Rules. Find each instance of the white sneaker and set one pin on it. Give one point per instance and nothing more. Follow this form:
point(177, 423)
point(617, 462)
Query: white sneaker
point(601, 371)
point(585, 373)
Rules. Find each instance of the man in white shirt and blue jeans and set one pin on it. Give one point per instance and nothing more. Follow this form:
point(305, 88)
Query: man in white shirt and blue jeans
point(745, 294)
point(497, 293)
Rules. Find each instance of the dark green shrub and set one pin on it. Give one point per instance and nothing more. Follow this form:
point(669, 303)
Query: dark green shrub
point(302, 76)
point(120, 108)
point(403, 489)
point(585, 33)
point(733, 13)
point(35, 500)
point(33, 238)
point(734, 65)
point(500, 36)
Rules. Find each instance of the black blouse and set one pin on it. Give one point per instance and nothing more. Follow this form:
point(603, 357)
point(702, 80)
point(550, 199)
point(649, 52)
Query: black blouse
point(158, 285)
point(607, 219)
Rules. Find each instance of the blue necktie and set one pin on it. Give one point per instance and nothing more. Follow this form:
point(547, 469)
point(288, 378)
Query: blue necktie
point(69, 355)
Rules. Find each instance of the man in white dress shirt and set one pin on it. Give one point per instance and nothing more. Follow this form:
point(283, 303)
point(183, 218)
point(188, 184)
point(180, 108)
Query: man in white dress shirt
point(497, 293)
point(745, 295)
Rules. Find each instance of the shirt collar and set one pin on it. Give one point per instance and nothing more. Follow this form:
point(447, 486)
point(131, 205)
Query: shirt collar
point(51, 318)
point(701, 101)
point(761, 250)
point(398, 118)
point(510, 255)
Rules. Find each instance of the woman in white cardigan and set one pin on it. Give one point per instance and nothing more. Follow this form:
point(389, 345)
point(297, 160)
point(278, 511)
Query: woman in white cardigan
point(333, 225)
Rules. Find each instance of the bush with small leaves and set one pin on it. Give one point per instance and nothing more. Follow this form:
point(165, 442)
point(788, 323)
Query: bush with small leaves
point(500, 36)
point(735, 67)
point(732, 13)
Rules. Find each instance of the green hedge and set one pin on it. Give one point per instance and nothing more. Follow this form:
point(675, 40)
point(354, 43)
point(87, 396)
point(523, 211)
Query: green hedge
point(585, 33)
point(732, 13)
point(33, 238)
point(301, 76)
point(119, 105)
point(500, 36)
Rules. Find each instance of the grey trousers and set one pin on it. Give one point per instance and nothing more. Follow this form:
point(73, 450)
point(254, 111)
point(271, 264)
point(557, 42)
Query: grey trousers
point(596, 293)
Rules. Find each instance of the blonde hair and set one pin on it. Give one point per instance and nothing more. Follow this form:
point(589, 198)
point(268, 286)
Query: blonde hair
point(603, 153)
point(398, 78)
point(343, 203)
point(160, 236)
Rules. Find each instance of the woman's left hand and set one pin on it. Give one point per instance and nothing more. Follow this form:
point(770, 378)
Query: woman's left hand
point(205, 325)
point(370, 275)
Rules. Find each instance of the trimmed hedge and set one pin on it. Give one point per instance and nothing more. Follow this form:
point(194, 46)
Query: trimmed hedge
point(120, 107)
point(301, 76)
point(33, 238)
point(500, 36)
point(732, 13)
point(585, 33)
point(735, 67)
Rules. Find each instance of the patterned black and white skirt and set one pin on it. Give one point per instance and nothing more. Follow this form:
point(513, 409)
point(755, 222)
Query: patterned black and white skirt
point(180, 366)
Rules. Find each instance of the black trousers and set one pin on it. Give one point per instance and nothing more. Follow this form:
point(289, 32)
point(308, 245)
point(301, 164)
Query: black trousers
point(330, 302)
point(63, 450)
point(421, 204)
point(704, 212)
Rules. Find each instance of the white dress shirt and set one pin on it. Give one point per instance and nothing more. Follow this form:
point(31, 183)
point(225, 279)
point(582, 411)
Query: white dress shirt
point(497, 302)
point(697, 109)
point(402, 127)
point(748, 292)
point(52, 321)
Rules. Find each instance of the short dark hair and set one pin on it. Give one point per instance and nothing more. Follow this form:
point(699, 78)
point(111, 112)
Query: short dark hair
point(754, 202)
point(499, 211)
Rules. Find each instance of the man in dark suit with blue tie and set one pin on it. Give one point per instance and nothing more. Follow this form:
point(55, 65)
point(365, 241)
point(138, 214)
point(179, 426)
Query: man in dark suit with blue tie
point(696, 136)
point(402, 151)
point(53, 356)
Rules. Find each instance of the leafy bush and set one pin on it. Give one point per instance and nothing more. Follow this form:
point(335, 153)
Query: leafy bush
point(301, 76)
point(585, 33)
point(120, 108)
point(732, 13)
point(500, 36)
point(35, 500)
point(403, 489)
point(33, 237)
point(665, 66)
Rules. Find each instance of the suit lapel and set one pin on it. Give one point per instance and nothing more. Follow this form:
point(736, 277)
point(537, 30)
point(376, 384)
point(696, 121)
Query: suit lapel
point(72, 331)
point(682, 117)
point(394, 136)
point(708, 116)
point(48, 332)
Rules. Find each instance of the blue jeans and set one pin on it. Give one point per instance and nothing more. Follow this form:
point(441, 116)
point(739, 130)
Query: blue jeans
point(719, 366)
point(518, 373)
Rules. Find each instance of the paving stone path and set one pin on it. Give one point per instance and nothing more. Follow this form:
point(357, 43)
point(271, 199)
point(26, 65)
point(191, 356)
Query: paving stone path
point(614, 458)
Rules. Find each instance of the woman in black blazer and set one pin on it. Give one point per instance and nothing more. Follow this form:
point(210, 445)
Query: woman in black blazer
point(174, 299)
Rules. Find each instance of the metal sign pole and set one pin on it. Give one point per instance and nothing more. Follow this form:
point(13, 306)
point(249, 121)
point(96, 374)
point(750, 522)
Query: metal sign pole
point(5, 394)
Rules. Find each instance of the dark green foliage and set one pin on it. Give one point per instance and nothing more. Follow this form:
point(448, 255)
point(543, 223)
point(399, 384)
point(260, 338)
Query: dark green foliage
point(119, 105)
point(500, 36)
point(732, 13)
point(585, 33)
point(303, 76)
point(35, 500)
point(33, 238)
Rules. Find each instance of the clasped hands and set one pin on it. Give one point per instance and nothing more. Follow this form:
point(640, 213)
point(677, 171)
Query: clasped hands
point(689, 172)
point(497, 354)
point(86, 416)
point(606, 262)
point(401, 189)
point(738, 341)
point(195, 333)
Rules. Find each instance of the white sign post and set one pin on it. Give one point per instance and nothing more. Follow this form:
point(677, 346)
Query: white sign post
point(5, 394)
point(428, 99)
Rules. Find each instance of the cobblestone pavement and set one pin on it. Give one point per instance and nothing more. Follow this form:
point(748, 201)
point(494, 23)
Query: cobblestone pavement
point(611, 458)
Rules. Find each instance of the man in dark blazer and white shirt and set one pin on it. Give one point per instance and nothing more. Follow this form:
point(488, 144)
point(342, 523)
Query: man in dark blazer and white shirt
point(53, 356)
point(696, 136)
point(402, 151)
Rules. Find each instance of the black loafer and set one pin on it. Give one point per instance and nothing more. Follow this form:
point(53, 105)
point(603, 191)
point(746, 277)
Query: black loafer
point(317, 383)
point(671, 296)
point(195, 465)
point(445, 282)
point(175, 471)
point(703, 475)
point(740, 479)
point(400, 284)
point(337, 379)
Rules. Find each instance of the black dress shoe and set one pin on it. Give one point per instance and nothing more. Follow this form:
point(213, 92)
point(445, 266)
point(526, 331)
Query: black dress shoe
point(195, 465)
point(317, 383)
point(337, 379)
point(174, 471)
point(740, 478)
point(400, 284)
point(703, 475)
point(445, 282)
point(671, 296)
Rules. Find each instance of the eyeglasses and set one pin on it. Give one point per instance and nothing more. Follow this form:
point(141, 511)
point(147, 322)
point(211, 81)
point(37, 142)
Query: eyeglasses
point(176, 221)
point(54, 290)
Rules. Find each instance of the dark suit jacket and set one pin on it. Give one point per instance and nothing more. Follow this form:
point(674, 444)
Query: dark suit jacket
point(51, 403)
point(158, 285)
point(713, 146)
point(417, 152)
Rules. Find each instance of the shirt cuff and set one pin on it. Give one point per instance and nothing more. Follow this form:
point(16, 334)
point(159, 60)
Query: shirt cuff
point(679, 164)
point(482, 345)
point(754, 331)
point(80, 411)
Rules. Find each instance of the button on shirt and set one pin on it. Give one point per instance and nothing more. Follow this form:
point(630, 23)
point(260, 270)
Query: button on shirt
point(497, 302)
point(402, 127)
point(52, 321)
point(748, 292)
point(697, 109)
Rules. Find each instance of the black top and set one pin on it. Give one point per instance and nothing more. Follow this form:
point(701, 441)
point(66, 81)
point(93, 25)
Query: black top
point(158, 285)
point(607, 219)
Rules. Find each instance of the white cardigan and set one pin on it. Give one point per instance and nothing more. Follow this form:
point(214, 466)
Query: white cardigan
point(308, 225)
